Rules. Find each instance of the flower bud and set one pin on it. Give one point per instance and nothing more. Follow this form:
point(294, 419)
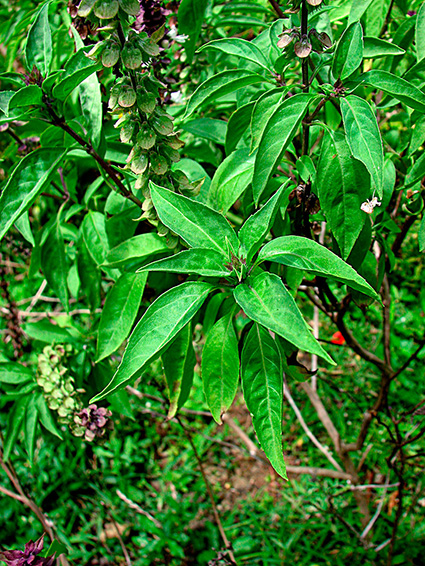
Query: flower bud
point(106, 9)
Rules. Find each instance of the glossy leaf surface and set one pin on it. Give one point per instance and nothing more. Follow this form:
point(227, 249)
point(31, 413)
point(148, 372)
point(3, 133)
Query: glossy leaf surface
point(201, 261)
point(231, 179)
point(199, 225)
point(26, 183)
point(343, 184)
point(219, 85)
point(158, 326)
point(364, 138)
point(119, 313)
point(179, 361)
point(308, 255)
point(38, 50)
point(220, 366)
point(349, 52)
point(265, 299)
point(262, 385)
point(277, 135)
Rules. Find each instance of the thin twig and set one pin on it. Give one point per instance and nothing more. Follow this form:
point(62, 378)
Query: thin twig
point(303, 424)
point(210, 493)
point(138, 509)
point(369, 526)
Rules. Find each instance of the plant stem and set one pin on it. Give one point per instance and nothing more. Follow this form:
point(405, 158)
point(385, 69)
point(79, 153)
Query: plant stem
point(277, 9)
point(60, 123)
point(304, 68)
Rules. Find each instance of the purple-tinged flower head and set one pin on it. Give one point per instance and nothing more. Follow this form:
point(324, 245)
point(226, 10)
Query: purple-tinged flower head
point(34, 78)
point(411, 13)
point(27, 557)
point(93, 422)
point(151, 17)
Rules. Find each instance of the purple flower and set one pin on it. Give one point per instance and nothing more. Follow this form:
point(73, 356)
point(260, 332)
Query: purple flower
point(151, 17)
point(28, 557)
point(411, 13)
point(95, 420)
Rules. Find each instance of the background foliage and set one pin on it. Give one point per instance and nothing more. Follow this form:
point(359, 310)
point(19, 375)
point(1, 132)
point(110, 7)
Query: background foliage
point(186, 189)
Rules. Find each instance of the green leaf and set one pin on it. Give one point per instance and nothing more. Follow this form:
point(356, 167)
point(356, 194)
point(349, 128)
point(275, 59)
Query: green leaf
point(208, 128)
point(45, 416)
point(220, 85)
point(420, 33)
point(179, 361)
point(237, 47)
point(375, 16)
point(93, 231)
point(237, 125)
point(278, 134)
point(343, 184)
point(257, 226)
point(46, 332)
point(308, 255)
point(349, 52)
point(265, 299)
point(38, 50)
point(26, 96)
point(364, 137)
point(262, 385)
point(421, 235)
point(54, 264)
point(264, 108)
point(158, 326)
point(199, 225)
point(14, 373)
point(77, 69)
point(416, 172)
point(358, 8)
point(89, 274)
point(190, 16)
point(211, 311)
point(230, 180)
point(90, 100)
point(134, 251)
point(5, 98)
point(201, 261)
point(14, 425)
point(31, 420)
point(220, 366)
point(397, 87)
point(25, 184)
point(119, 313)
point(375, 47)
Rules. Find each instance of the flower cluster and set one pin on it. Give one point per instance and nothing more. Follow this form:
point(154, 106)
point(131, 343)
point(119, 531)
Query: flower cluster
point(92, 422)
point(27, 557)
point(58, 385)
point(136, 97)
point(304, 44)
point(294, 5)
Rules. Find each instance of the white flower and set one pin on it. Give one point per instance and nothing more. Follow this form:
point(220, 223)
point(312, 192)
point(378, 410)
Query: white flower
point(369, 205)
point(173, 34)
point(176, 97)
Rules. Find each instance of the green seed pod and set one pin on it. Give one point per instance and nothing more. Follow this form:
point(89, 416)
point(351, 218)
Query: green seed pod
point(174, 142)
point(127, 96)
point(148, 46)
point(85, 8)
point(106, 9)
point(142, 182)
point(126, 132)
point(159, 164)
point(172, 240)
point(130, 7)
point(146, 138)
point(162, 124)
point(131, 56)
point(139, 163)
point(113, 97)
point(172, 154)
point(111, 55)
point(146, 101)
point(181, 179)
point(147, 204)
point(162, 229)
